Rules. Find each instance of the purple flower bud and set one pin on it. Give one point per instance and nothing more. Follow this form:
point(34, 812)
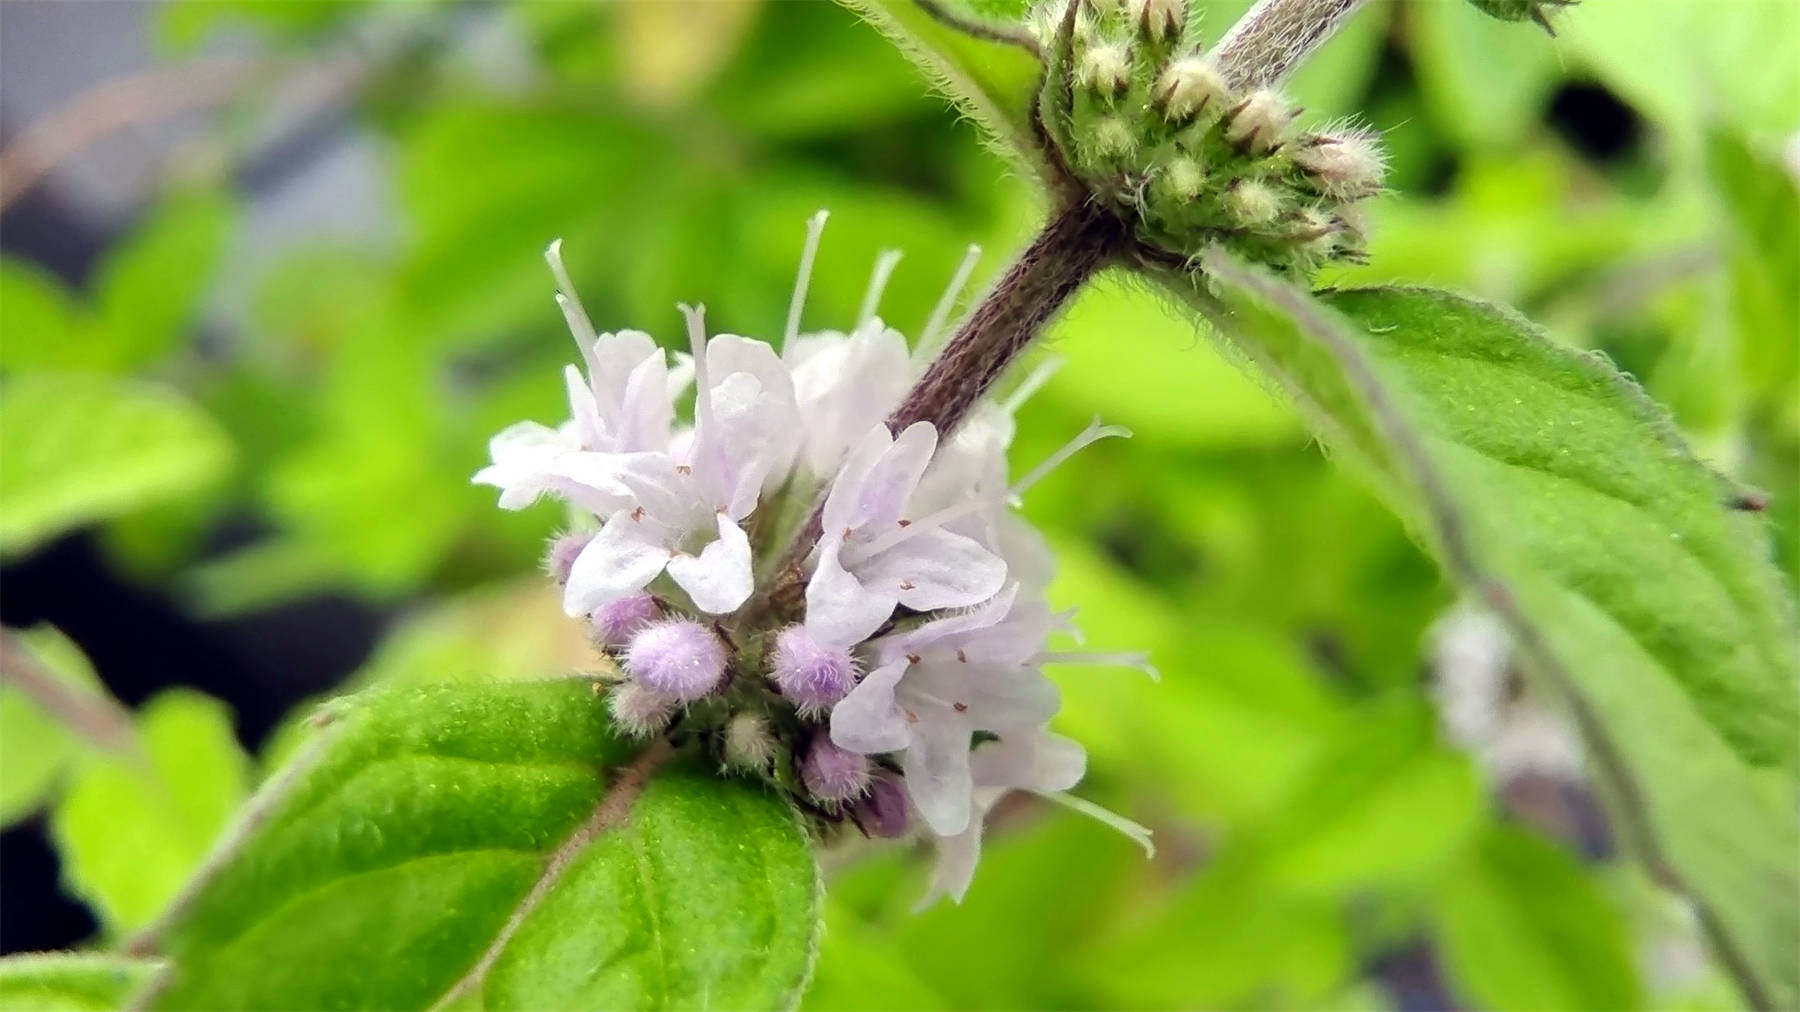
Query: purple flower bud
point(613, 625)
point(834, 775)
point(885, 812)
point(559, 558)
point(638, 711)
point(680, 659)
point(811, 676)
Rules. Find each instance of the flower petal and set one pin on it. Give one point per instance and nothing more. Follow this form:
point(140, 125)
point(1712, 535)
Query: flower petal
point(936, 767)
point(868, 720)
point(619, 561)
point(1031, 761)
point(840, 610)
point(935, 569)
point(718, 580)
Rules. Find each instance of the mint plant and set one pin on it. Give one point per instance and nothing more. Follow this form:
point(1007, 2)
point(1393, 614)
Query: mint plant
point(817, 618)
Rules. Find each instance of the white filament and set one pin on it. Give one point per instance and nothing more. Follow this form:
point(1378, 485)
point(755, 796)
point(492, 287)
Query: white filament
point(815, 227)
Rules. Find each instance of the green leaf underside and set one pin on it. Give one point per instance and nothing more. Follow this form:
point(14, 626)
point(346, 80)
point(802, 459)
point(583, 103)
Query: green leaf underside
point(992, 80)
point(446, 845)
point(1551, 486)
point(70, 982)
point(75, 449)
point(1521, 926)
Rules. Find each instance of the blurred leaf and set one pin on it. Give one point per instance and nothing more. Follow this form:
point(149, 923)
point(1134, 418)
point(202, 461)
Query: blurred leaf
point(130, 829)
point(1762, 229)
point(1484, 81)
point(71, 982)
point(1561, 493)
point(35, 748)
point(428, 826)
point(42, 326)
point(147, 289)
point(1690, 62)
point(511, 632)
point(668, 49)
point(1520, 926)
point(76, 449)
point(994, 81)
point(861, 969)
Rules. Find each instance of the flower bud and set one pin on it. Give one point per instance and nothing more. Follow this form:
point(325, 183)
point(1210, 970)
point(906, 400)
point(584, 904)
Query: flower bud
point(1344, 166)
point(1519, 10)
point(680, 659)
point(559, 558)
point(811, 676)
point(1253, 203)
point(612, 625)
point(749, 744)
point(1188, 87)
point(1158, 19)
point(1256, 124)
point(638, 711)
point(885, 812)
point(1105, 70)
point(833, 775)
point(1181, 180)
point(1112, 137)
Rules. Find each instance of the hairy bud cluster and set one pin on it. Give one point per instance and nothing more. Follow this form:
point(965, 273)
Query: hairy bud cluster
point(1151, 126)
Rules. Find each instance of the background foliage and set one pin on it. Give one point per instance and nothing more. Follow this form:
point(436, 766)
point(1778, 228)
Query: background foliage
point(234, 446)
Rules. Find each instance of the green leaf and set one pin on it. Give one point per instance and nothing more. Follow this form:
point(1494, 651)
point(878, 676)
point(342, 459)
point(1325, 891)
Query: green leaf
point(1484, 81)
point(75, 449)
point(148, 288)
point(476, 846)
point(45, 326)
point(35, 747)
point(131, 829)
point(70, 982)
point(1521, 926)
point(1551, 486)
point(992, 79)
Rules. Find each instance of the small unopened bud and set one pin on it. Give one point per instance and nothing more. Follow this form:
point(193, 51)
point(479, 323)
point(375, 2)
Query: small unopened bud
point(813, 677)
point(1188, 87)
point(833, 775)
point(885, 812)
point(559, 558)
point(638, 711)
point(1319, 233)
point(1345, 166)
point(1105, 70)
point(749, 745)
point(1158, 19)
point(1256, 124)
point(1113, 138)
point(1519, 10)
point(1182, 179)
point(679, 658)
point(612, 625)
point(1253, 203)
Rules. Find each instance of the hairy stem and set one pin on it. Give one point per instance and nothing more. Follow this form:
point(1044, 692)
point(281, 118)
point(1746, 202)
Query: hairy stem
point(1076, 243)
point(1275, 37)
point(92, 715)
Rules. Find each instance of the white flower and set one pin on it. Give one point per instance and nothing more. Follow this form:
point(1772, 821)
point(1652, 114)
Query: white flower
point(935, 686)
point(871, 558)
point(846, 383)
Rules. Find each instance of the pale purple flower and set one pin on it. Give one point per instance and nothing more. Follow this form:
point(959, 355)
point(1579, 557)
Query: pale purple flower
point(871, 558)
point(832, 774)
point(614, 623)
point(809, 674)
point(677, 659)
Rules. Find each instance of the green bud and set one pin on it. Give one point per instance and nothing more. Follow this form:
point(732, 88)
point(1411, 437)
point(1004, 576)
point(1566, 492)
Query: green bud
point(1257, 124)
point(1345, 166)
point(1181, 180)
point(1522, 10)
point(1105, 70)
point(1253, 203)
point(1188, 87)
point(1158, 20)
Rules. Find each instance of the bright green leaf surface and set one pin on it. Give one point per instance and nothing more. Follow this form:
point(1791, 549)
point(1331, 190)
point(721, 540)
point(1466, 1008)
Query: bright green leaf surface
point(132, 829)
point(995, 81)
point(1522, 927)
point(1552, 485)
point(452, 834)
point(76, 449)
point(68, 982)
point(148, 288)
point(41, 324)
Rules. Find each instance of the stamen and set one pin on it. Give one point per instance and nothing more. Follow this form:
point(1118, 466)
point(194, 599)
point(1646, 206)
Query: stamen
point(1092, 434)
point(580, 327)
point(930, 521)
point(940, 313)
point(1136, 659)
point(884, 269)
point(696, 327)
point(1139, 834)
point(815, 227)
point(1034, 381)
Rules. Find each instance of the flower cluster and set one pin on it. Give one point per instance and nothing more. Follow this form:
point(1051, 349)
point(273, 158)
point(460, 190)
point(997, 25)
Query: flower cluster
point(1151, 126)
point(855, 615)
